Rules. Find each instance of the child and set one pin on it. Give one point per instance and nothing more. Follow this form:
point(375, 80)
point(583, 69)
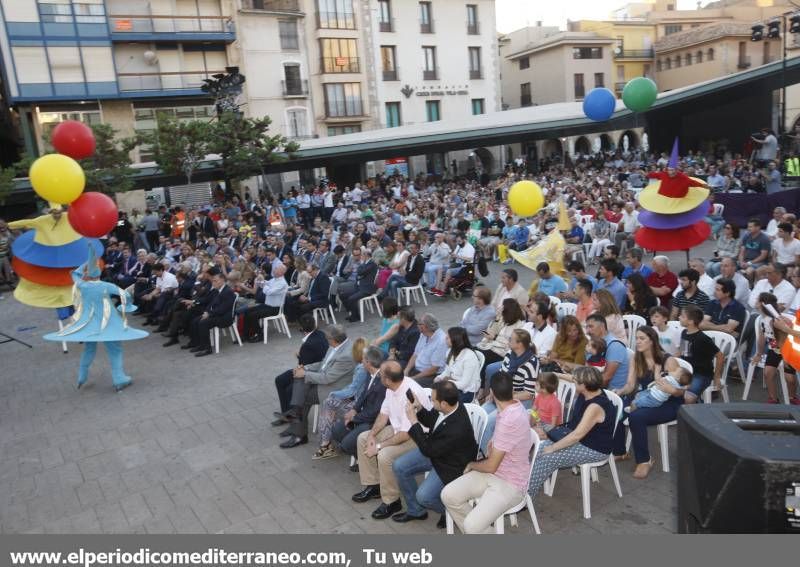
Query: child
point(773, 333)
point(596, 354)
point(699, 350)
point(546, 410)
point(669, 337)
point(678, 374)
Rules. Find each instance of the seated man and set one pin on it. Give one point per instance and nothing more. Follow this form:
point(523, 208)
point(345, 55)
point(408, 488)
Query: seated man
point(337, 365)
point(153, 302)
point(187, 309)
point(430, 352)
point(317, 296)
point(724, 313)
point(548, 283)
point(402, 345)
point(270, 295)
point(364, 287)
point(312, 350)
point(219, 313)
point(499, 481)
point(443, 452)
point(387, 440)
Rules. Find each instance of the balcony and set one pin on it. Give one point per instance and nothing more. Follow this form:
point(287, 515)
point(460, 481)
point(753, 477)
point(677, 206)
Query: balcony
point(160, 84)
point(171, 28)
point(386, 26)
point(430, 75)
point(336, 21)
point(744, 62)
point(473, 28)
point(280, 6)
point(294, 88)
point(391, 75)
point(634, 54)
point(475, 74)
point(525, 100)
point(619, 86)
point(339, 65)
point(426, 27)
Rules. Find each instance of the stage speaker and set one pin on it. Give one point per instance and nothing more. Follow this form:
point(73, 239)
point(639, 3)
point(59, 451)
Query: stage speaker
point(739, 468)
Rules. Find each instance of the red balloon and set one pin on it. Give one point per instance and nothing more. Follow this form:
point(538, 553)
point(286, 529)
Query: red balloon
point(73, 139)
point(93, 214)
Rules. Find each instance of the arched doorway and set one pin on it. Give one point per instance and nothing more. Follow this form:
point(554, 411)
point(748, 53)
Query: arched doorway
point(485, 159)
point(582, 146)
point(633, 140)
point(606, 143)
point(552, 149)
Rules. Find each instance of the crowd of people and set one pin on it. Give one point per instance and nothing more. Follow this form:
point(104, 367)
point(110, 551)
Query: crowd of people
point(400, 407)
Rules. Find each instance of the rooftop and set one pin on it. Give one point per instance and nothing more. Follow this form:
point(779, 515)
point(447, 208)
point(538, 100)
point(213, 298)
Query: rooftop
point(703, 34)
point(561, 38)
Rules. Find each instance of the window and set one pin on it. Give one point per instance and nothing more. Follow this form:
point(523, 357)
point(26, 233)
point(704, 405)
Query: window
point(646, 70)
point(385, 15)
point(472, 19)
point(688, 59)
point(659, 66)
point(102, 67)
point(710, 53)
point(343, 99)
point(336, 14)
point(429, 63)
point(678, 61)
point(525, 94)
point(65, 64)
point(668, 62)
point(56, 13)
point(292, 83)
point(90, 13)
point(393, 115)
point(672, 28)
point(475, 63)
point(524, 62)
point(287, 30)
point(580, 89)
point(347, 129)
point(699, 56)
point(478, 106)
point(145, 121)
point(433, 110)
point(297, 123)
point(620, 73)
point(599, 80)
point(339, 55)
point(388, 62)
point(425, 20)
point(587, 52)
point(31, 64)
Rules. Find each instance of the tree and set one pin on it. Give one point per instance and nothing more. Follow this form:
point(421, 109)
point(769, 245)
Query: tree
point(245, 145)
point(180, 147)
point(8, 174)
point(109, 170)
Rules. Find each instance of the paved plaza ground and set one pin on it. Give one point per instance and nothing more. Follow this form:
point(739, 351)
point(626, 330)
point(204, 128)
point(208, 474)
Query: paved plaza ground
point(188, 447)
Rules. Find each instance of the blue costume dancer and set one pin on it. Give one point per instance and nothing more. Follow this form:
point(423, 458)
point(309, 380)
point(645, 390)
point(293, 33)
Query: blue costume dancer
point(96, 321)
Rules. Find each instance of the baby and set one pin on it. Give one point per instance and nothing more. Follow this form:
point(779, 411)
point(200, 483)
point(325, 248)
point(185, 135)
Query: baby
point(678, 374)
point(596, 354)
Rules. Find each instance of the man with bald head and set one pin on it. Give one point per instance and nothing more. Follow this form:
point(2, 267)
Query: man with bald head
point(270, 295)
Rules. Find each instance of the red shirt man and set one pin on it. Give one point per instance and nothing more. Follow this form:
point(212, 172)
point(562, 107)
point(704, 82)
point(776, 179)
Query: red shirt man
point(662, 281)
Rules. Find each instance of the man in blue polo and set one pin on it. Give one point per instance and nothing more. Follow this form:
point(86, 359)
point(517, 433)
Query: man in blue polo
point(724, 313)
point(615, 373)
point(607, 279)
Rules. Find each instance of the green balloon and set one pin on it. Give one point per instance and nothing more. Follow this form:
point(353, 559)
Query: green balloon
point(639, 94)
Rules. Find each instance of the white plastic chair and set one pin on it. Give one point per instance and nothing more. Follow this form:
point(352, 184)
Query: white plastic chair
point(233, 329)
point(662, 429)
point(632, 323)
point(675, 325)
point(727, 345)
point(586, 219)
point(372, 304)
point(752, 368)
point(325, 313)
point(588, 471)
point(478, 418)
point(554, 301)
point(719, 209)
point(526, 502)
point(415, 292)
point(279, 320)
point(566, 396)
point(741, 347)
point(563, 309)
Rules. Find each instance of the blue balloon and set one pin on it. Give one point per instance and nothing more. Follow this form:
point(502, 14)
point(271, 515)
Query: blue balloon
point(599, 104)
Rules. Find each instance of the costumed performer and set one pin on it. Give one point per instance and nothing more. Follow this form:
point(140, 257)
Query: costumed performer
point(97, 321)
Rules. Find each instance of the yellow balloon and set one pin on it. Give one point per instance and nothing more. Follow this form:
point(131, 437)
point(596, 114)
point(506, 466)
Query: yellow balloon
point(525, 198)
point(57, 178)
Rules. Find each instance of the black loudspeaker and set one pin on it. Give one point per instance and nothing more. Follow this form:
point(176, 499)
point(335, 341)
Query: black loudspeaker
point(739, 468)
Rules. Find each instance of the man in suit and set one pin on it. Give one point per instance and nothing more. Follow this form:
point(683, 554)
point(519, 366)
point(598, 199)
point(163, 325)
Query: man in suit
point(337, 365)
point(444, 451)
point(366, 408)
point(338, 275)
point(205, 225)
point(365, 286)
point(219, 313)
point(313, 350)
point(317, 296)
point(327, 259)
point(408, 276)
point(186, 310)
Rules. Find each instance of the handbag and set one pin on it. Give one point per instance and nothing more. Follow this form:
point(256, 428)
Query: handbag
point(558, 433)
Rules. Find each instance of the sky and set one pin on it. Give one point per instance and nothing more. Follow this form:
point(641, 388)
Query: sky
point(516, 14)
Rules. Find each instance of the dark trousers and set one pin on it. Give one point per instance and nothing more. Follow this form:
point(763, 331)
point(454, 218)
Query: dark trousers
point(283, 383)
point(181, 318)
point(254, 314)
point(152, 239)
point(489, 357)
point(641, 419)
point(200, 328)
point(304, 396)
point(294, 309)
point(347, 438)
point(351, 302)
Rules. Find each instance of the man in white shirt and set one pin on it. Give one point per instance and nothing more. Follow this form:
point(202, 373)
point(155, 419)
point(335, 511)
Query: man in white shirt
point(542, 335)
point(166, 282)
point(274, 292)
point(704, 284)
point(727, 267)
point(356, 194)
point(627, 226)
point(439, 258)
point(785, 247)
point(772, 225)
point(776, 284)
point(388, 439)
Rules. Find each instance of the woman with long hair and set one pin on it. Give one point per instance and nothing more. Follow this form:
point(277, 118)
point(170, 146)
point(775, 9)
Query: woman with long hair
point(569, 348)
point(641, 298)
point(728, 245)
point(496, 338)
point(463, 364)
point(605, 305)
point(775, 329)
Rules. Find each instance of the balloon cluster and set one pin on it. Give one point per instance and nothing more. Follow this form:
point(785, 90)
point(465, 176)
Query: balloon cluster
point(638, 95)
point(59, 178)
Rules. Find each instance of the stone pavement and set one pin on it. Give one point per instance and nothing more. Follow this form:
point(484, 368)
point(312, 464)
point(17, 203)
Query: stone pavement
point(188, 447)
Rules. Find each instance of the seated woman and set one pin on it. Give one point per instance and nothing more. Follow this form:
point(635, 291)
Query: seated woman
point(463, 364)
point(523, 366)
point(569, 348)
point(496, 338)
point(339, 402)
point(302, 278)
point(586, 438)
point(775, 329)
point(648, 364)
point(641, 298)
point(389, 324)
point(728, 245)
point(605, 305)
